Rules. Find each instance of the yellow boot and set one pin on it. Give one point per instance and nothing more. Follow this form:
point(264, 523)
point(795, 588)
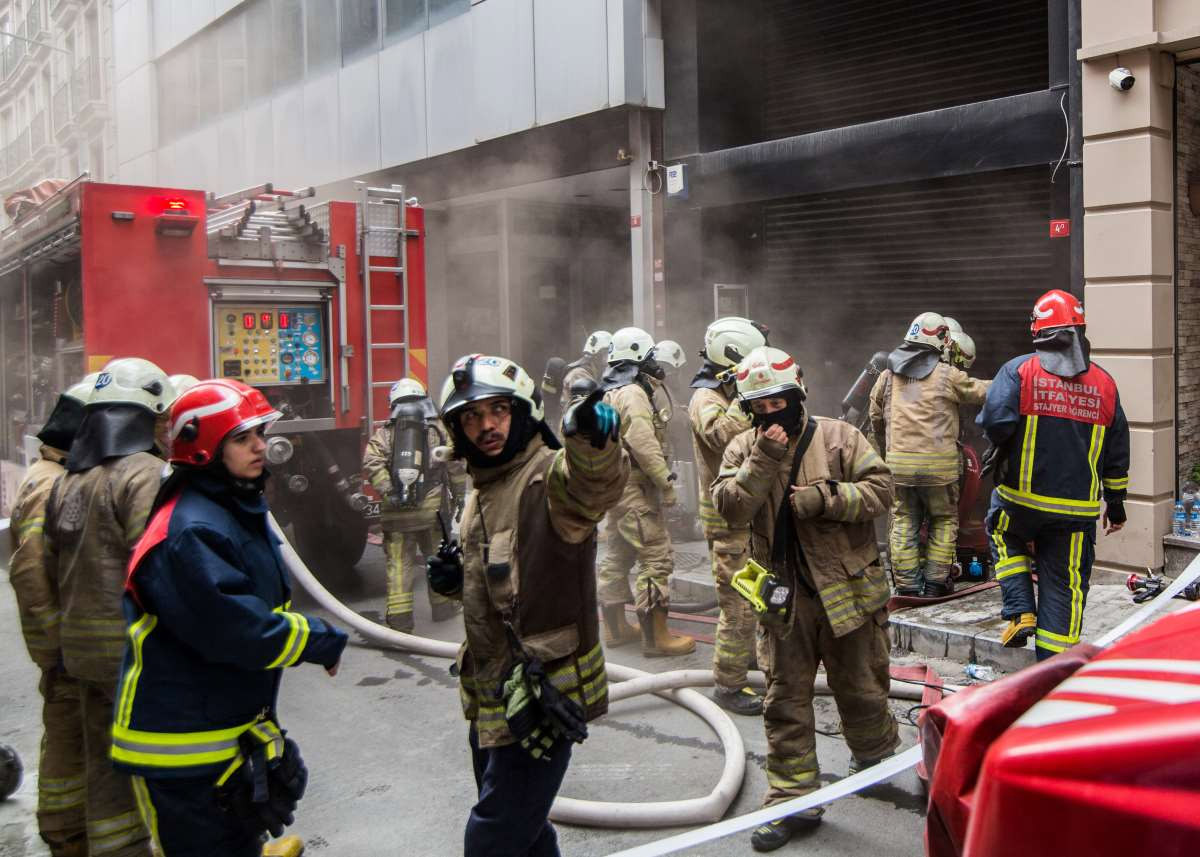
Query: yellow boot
point(287, 846)
point(617, 631)
point(658, 641)
point(1018, 631)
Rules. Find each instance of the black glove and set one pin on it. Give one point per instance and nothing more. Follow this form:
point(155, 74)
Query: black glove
point(444, 570)
point(1116, 512)
point(565, 714)
point(989, 459)
point(592, 418)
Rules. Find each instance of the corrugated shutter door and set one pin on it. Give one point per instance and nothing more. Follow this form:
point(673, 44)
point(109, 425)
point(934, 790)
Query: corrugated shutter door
point(845, 273)
point(832, 64)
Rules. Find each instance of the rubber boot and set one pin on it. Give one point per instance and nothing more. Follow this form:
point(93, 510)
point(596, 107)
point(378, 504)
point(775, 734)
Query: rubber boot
point(744, 701)
point(936, 589)
point(286, 846)
point(657, 639)
point(1019, 629)
point(617, 631)
point(402, 622)
point(777, 834)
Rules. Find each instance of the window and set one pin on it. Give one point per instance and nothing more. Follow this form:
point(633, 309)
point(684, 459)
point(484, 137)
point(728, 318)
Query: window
point(288, 40)
point(360, 28)
point(321, 35)
point(444, 10)
point(404, 18)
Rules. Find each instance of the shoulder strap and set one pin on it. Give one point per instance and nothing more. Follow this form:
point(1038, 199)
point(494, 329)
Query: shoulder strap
point(780, 554)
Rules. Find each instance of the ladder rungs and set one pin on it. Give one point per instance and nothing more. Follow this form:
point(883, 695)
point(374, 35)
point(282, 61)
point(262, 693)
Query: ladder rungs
point(391, 345)
point(386, 269)
point(389, 307)
point(382, 383)
point(387, 229)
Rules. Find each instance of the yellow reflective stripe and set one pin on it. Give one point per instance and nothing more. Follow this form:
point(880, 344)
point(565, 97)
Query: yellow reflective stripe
point(118, 831)
point(1116, 484)
point(1012, 566)
point(30, 526)
point(1028, 443)
point(175, 749)
point(1094, 458)
point(297, 639)
point(1075, 585)
point(1055, 505)
point(138, 632)
point(1060, 638)
point(1053, 647)
point(141, 795)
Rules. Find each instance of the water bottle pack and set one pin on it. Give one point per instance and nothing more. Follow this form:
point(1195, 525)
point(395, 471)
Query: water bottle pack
point(1181, 521)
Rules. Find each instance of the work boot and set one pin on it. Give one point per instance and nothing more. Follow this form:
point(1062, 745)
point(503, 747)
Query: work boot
point(286, 846)
point(857, 764)
point(1019, 629)
point(440, 611)
point(938, 588)
point(658, 641)
point(777, 834)
point(744, 701)
point(914, 590)
point(402, 622)
point(617, 630)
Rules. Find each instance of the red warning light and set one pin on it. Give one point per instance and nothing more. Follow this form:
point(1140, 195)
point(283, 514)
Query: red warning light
point(175, 205)
point(285, 321)
point(248, 320)
point(265, 320)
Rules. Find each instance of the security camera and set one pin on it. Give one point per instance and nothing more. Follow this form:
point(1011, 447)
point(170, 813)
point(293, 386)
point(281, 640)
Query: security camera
point(1121, 79)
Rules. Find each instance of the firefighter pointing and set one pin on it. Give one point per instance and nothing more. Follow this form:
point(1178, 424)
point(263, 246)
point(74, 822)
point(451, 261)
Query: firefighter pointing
point(532, 669)
point(399, 462)
point(1061, 444)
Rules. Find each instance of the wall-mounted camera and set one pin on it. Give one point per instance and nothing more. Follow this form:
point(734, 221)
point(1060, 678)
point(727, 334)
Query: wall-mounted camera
point(1121, 79)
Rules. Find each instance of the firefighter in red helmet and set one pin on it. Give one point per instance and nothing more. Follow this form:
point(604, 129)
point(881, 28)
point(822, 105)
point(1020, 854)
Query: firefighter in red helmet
point(1060, 445)
point(211, 629)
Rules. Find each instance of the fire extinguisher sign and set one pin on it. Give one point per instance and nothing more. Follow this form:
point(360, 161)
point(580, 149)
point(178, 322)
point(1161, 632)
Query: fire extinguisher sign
point(1060, 228)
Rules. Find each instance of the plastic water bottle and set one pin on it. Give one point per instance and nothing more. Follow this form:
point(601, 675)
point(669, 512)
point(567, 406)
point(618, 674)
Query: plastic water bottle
point(1181, 522)
point(980, 673)
point(975, 569)
point(1194, 522)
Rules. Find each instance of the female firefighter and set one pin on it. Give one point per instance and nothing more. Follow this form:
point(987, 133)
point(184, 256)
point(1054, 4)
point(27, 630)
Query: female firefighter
point(210, 630)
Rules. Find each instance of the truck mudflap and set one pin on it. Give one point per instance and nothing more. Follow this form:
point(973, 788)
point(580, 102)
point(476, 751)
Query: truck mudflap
point(1092, 752)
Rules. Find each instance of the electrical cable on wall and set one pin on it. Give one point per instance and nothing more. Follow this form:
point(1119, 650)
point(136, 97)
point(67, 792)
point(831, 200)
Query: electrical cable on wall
point(1062, 105)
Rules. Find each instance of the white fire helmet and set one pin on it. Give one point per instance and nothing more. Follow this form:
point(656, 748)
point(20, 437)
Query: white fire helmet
point(406, 388)
point(928, 328)
point(767, 372)
point(133, 381)
point(183, 383)
point(669, 354)
point(952, 324)
point(82, 391)
point(481, 376)
point(597, 342)
point(728, 341)
point(963, 350)
point(630, 343)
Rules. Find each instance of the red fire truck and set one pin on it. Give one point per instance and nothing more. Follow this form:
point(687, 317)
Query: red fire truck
point(322, 306)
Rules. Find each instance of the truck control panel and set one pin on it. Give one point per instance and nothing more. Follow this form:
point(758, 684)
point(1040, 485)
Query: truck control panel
point(263, 344)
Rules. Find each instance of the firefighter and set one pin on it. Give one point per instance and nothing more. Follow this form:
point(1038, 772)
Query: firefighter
point(210, 632)
point(94, 516)
point(403, 449)
point(809, 490)
point(589, 366)
point(635, 529)
point(716, 418)
point(915, 418)
point(528, 530)
point(62, 780)
point(1060, 443)
point(962, 351)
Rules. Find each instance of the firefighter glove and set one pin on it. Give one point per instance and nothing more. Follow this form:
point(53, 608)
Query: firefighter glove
point(537, 713)
point(592, 418)
point(1115, 513)
point(807, 502)
point(444, 570)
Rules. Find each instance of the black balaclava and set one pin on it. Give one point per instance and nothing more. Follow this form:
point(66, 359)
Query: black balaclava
point(111, 431)
point(1063, 351)
point(790, 418)
point(522, 429)
point(63, 424)
point(914, 360)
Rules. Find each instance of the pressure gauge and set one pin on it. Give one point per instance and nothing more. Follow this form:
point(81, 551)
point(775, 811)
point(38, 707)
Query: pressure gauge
point(310, 358)
point(310, 339)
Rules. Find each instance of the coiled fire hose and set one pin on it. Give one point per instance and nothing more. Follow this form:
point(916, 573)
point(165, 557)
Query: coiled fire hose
point(674, 686)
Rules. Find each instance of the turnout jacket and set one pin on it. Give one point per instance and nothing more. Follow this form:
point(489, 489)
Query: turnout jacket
point(93, 520)
point(1064, 441)
point(916, 422)
point(715, 421)
point(642, 434)
point(210, 629)
point(529, 558)
point(580, 370)
point(377, 464)
point(31, 577)
point(840, 554)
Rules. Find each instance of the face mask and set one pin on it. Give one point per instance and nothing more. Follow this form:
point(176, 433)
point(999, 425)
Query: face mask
point(787, 418)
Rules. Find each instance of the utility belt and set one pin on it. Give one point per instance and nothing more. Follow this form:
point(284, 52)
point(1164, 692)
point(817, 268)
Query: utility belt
point(263, 784)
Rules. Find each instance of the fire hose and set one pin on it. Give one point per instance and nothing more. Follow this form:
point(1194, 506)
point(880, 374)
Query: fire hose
point(675, 686)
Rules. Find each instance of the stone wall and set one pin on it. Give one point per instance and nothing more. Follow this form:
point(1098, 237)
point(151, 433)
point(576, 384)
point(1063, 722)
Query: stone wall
point(1187, 105)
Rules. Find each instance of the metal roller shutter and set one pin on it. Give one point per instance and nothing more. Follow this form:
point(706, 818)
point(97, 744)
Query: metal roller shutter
point(829, 65)
point(845, 273)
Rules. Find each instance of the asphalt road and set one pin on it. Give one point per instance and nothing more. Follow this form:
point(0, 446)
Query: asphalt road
point(390, 772)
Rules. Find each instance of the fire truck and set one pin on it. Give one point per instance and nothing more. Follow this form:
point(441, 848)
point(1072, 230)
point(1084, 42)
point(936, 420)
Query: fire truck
point(320, 305)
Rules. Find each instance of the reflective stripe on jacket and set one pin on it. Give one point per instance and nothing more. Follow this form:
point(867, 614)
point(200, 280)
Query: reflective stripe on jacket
point(715, 421)
point(210, 626)
point(1066, 439)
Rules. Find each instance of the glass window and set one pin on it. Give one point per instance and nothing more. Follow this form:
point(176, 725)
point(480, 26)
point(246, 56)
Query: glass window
point(288, 41)
point(444, 10)
point(231, 41)
point(16, 371)
point(321, 35)
point(404, 18)
point(258, 50)
point(360, 28)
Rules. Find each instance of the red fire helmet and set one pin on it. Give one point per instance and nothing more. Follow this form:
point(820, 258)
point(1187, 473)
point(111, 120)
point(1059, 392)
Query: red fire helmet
point(209, 412)
point(1056, 308)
